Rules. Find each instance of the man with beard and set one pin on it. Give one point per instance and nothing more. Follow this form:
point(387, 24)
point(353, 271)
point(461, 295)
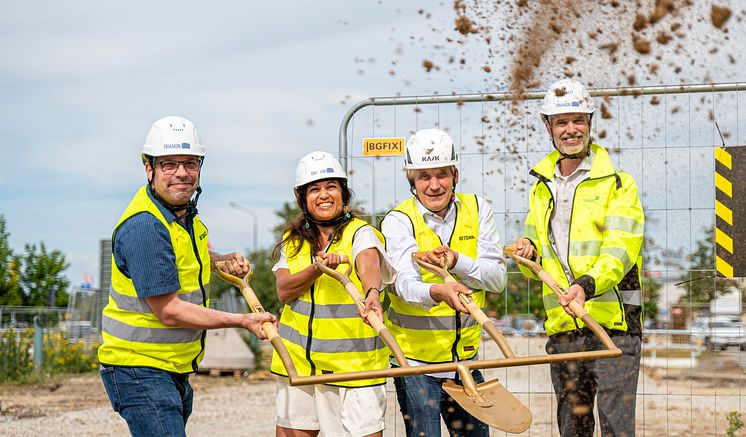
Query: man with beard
point(585, 226)
point(154, 325)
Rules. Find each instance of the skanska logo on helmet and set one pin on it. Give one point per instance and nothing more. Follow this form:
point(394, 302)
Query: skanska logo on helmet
point(566, 104)
point(322, 171)
point(177, 146)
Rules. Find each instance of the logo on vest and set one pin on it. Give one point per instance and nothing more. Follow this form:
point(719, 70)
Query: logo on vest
point(468, 348)
point(466, 237)
point(202, 237)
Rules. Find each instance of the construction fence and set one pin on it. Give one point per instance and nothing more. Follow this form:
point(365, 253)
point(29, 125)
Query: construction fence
point(666, 138)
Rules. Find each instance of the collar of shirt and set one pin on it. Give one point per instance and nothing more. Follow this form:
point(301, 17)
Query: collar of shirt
point(168, 215)
point(585, 165)
point(427, 214)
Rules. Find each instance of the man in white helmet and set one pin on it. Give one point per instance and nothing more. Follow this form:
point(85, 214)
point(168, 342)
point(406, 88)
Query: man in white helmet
point(154, 325)
point(426, 316)
point(585, 225)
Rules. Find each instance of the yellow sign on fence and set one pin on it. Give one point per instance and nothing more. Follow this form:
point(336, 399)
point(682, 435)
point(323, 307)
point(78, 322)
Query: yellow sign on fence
point(383, 146)
point(730, 211)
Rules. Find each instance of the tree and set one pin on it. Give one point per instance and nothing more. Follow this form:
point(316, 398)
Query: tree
point(704, 285)
point(9, 292)
point(651, 286)
point(521, 296)
point(41, 280)
point(263, 281)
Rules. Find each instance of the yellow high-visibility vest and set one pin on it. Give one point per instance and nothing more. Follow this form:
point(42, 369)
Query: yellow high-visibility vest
point(321, 329)
point(606, 235)
point(132, 334)
point(440, 334)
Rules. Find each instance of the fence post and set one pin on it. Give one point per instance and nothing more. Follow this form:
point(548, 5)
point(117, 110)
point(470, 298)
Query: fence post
point(38, 345)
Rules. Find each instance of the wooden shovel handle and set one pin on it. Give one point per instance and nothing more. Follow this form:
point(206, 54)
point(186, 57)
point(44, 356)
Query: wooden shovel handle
point(373, 319)
point(468, 302)
point(553, 285)
point(256, 307)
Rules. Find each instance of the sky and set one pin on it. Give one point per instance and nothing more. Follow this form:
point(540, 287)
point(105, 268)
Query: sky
point(263, 82)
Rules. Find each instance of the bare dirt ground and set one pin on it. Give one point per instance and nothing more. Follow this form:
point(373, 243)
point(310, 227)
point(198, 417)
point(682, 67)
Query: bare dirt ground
point(672, 401)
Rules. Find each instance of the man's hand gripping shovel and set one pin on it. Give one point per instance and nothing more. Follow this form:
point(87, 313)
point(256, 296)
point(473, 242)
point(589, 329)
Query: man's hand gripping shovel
point(489, 401)
point(372, 318)
point(575, 307)
point(256, 307)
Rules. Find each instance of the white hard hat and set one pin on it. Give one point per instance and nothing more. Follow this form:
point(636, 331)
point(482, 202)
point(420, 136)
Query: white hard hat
point(430, 148)
point(173, 135)
point(316, 166)
point(567, 96)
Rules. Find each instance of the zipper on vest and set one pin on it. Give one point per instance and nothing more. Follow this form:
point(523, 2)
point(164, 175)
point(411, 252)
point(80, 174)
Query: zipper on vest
point(549, 228)
point(621, 304)
point(454, 347)
point(190, 231)
point(569, 229)
point(309, 337)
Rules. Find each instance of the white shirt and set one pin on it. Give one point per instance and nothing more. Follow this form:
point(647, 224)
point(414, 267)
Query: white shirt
point(365, 238)
point(486, 272)
point(563, 189)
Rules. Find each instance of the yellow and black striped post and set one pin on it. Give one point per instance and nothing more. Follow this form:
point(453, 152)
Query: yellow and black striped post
point(730, 211)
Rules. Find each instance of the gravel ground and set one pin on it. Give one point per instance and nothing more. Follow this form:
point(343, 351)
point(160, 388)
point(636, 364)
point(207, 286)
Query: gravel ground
point(670, 402)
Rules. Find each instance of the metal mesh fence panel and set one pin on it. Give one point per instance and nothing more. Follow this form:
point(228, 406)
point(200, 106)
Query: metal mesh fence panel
point(665, 138)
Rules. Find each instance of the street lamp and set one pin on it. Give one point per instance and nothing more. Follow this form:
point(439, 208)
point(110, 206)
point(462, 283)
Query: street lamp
point(249, 211)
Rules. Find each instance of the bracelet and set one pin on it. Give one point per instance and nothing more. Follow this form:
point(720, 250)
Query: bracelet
point(372, 288)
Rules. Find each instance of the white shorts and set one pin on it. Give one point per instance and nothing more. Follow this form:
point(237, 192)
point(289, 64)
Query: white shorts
point(334, 411)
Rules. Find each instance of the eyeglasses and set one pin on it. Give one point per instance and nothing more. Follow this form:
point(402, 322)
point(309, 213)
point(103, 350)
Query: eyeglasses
point(171, 167)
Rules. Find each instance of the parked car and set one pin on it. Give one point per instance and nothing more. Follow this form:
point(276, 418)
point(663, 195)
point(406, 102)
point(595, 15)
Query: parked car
point(528, 325)
point(718, 332)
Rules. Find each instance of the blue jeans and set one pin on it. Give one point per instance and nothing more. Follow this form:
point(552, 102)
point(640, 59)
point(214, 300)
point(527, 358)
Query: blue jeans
point(152, 401)
point(422, 401)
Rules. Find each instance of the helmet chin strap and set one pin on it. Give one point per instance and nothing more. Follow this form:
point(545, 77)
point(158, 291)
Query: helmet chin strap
point(345, 216)
point(189, 208)
point(580, 155)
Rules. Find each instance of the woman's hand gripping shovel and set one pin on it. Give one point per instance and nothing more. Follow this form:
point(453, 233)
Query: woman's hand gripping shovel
point(372, 318)
point(489, 401)
point(256, 307)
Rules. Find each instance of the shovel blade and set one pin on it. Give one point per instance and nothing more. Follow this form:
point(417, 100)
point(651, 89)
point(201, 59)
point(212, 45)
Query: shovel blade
point(506, 413)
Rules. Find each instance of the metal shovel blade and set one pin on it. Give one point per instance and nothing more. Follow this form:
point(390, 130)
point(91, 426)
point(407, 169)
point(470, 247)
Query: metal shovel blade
point(501, 410)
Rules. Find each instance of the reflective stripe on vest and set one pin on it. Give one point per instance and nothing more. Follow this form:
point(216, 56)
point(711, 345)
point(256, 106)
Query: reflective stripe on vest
point(433, 323)
point(140, 305)
point(631, 297)
point(149, 335)
point(334, 346)
point(437, 335)
point(132, 334)
point(326, 311)
point(321, 329)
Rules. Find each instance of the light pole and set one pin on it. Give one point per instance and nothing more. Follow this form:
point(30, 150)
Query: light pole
point(249, 211)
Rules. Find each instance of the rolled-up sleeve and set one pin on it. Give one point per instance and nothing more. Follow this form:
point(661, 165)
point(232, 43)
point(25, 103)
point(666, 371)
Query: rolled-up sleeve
point(400, 244)
point(366, 238)
point(488, 270)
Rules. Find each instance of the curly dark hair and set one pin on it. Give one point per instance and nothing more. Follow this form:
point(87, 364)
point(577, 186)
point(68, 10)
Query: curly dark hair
point(302, 228)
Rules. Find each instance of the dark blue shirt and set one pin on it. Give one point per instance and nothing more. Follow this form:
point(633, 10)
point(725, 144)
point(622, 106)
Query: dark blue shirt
point(144, 253)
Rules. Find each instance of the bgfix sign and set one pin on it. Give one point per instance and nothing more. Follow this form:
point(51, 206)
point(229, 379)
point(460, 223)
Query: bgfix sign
point(383, 146)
